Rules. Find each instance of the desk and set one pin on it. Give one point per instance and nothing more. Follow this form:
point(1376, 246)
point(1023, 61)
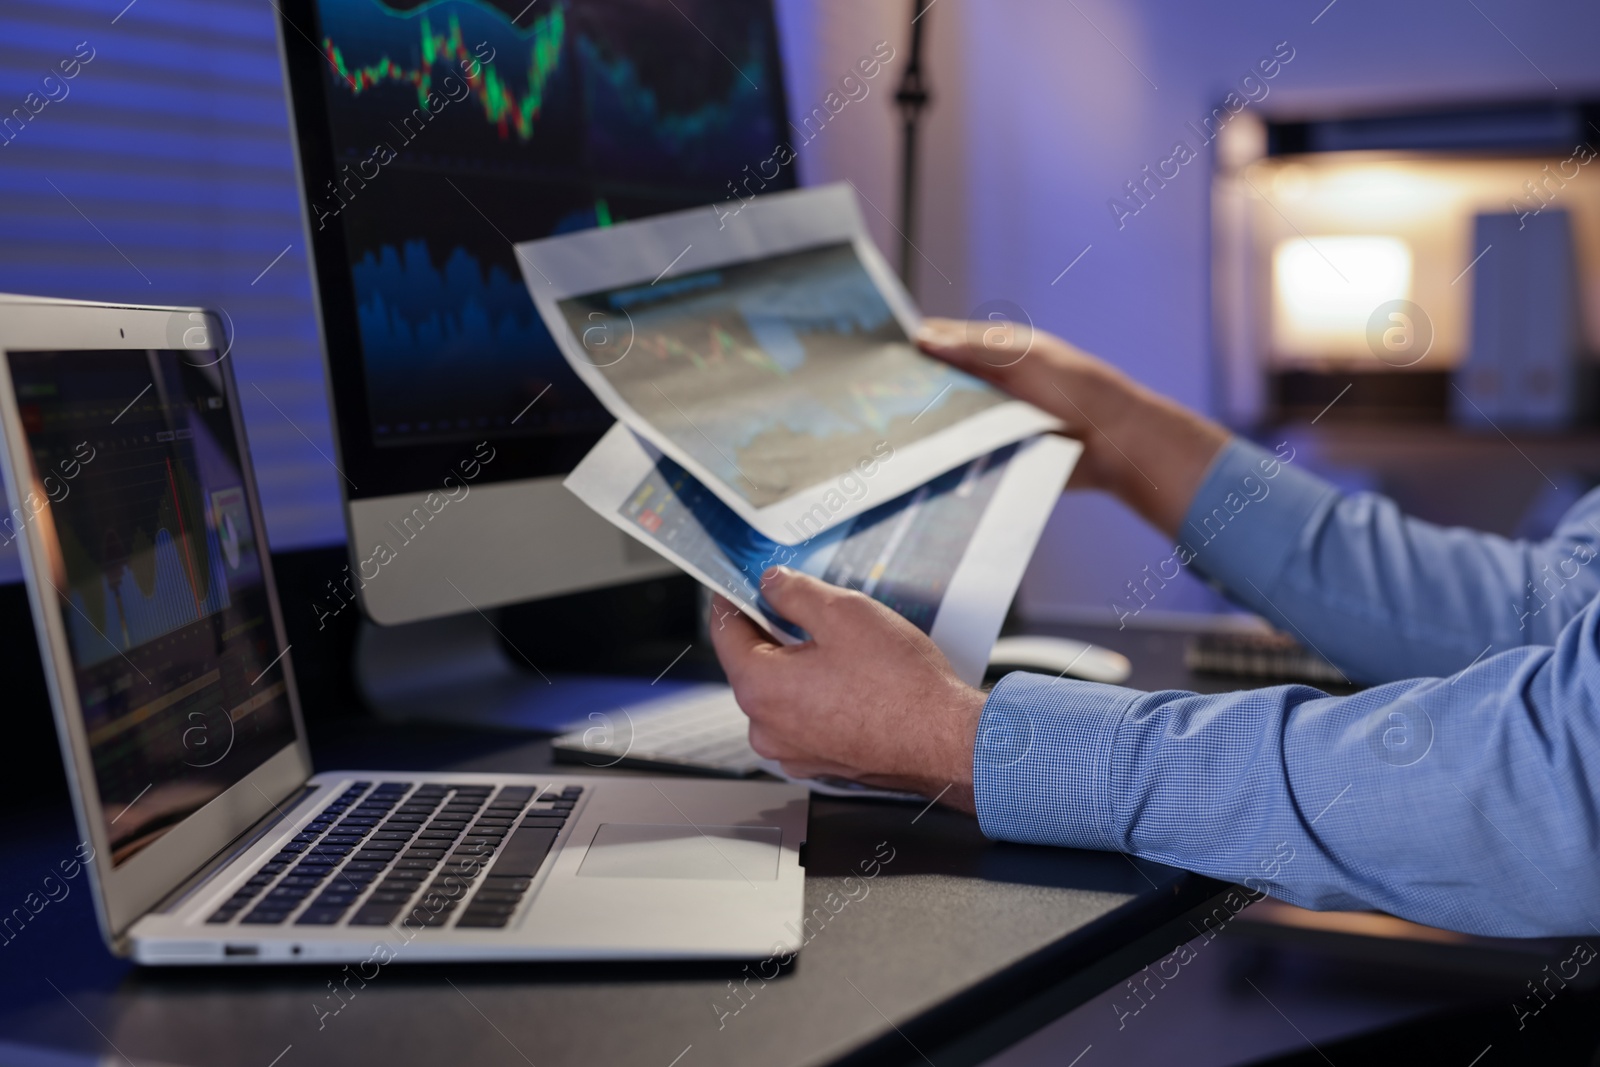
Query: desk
point(960, 947)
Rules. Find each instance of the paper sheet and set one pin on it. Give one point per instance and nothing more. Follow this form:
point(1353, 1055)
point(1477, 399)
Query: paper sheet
point(766, 350)
point(948, 555)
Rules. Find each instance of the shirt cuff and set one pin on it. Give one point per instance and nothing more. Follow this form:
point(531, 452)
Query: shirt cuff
point(1041, 769)
point(1248, 516)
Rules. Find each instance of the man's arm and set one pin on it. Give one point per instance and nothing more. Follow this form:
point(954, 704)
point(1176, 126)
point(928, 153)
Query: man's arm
point(1466, 802)
point(1380, 595)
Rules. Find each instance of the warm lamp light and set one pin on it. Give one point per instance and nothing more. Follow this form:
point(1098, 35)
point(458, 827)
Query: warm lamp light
point(1324, 289)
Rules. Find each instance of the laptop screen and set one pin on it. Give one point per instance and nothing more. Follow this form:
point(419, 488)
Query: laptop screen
point(139, 500)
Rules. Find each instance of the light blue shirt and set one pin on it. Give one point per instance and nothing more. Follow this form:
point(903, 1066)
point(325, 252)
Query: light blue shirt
point(1463, 793)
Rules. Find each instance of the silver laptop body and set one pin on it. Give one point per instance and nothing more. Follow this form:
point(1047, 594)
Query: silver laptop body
point(205, 833)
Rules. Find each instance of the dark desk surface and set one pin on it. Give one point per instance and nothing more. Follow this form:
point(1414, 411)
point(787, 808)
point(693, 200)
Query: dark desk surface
point(960, 947)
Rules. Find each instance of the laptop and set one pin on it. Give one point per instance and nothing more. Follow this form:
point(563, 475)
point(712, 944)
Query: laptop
point(213, 841)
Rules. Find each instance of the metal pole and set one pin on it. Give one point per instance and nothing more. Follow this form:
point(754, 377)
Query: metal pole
point(912, 97)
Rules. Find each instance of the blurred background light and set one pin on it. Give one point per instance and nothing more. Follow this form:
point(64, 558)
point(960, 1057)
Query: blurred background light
point(1324, 290)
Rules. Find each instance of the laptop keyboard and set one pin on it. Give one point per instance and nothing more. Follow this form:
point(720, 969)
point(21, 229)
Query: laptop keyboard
point(407, 852)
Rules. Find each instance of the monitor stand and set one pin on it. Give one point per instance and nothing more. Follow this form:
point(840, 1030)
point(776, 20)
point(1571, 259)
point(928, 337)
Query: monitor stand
point(457, 670)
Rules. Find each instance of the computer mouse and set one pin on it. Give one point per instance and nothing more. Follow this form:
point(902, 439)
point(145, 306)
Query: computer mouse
point(1060, 655)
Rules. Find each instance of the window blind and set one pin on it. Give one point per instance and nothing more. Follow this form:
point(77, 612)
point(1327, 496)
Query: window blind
point(145, 156)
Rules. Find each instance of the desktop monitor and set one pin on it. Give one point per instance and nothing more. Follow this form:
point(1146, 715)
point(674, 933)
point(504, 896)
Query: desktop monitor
point(431, 136)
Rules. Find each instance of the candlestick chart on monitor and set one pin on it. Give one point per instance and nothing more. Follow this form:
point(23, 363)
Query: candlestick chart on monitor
point(463, 126)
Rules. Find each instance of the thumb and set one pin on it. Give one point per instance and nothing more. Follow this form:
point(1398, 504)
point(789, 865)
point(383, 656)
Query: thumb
point(805, 601)
point(740, 644)
point(983, 349)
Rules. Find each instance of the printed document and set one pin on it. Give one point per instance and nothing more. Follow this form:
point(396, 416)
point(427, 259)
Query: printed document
point(948, 555)
point(767, 352)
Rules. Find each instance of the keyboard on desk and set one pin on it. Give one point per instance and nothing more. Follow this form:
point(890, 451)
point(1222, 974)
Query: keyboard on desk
point(708, 734)
point(1274, 656)
point(365, 859)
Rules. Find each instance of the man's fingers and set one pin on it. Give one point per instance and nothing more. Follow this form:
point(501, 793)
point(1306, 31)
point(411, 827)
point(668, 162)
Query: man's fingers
point(952, 341)
point(941, 333)
point(800, 598)
point(1029, 364)
point(734, 636)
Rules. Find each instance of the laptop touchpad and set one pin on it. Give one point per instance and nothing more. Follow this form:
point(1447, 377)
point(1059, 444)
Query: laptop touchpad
point(653, 850)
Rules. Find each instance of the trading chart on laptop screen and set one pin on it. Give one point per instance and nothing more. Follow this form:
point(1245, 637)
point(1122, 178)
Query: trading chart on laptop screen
point(461, 126)
point(139, 497)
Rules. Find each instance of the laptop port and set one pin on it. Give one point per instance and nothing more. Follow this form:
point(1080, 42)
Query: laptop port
point(241, 950)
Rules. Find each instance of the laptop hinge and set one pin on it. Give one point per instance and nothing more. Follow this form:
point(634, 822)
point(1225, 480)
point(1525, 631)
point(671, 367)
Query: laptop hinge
point(233, 850)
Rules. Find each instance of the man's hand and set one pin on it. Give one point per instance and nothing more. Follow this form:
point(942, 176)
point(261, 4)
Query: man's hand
point(870, 697)
point(1147, 450)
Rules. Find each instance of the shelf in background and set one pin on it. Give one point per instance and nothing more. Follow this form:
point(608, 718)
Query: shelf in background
point(1440, 473)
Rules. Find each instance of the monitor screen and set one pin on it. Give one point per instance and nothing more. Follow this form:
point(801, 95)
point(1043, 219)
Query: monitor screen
point(139, 502)
point(458, 127)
